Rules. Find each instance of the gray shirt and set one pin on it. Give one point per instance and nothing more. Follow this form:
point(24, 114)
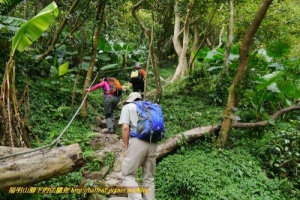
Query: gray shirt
point(129, 115)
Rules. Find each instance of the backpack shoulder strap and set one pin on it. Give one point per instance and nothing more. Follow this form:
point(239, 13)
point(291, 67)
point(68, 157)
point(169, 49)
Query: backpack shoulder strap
point(139, 105)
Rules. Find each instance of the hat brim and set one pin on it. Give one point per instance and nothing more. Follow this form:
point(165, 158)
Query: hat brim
point(132, 99)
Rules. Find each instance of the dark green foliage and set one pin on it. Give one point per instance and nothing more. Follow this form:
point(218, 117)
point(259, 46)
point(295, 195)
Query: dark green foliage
point(202, 172)
point(280, 151)
point(208, 72)
point(70, 180)
point(279, 48)
point(8, 5)
point(110, 159)
point(196, 112)
point(221, 93)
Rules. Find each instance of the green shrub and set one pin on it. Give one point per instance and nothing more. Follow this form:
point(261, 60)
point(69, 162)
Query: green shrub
point(68, 180)
point(279, 151)
point(202, 172)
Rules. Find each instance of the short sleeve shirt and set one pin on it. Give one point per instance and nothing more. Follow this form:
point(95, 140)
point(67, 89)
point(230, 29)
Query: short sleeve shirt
point(129, 115)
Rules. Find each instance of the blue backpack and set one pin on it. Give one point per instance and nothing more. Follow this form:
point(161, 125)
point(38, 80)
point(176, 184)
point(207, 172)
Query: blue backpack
point(150, 125)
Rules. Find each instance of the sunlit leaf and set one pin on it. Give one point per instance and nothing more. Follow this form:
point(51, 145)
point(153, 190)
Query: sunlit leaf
point(213, 68)
point(233, 56)
point(34, 28)
point(268, 80)
point(263, 52)
point(273, 87)
point(104, 57)
point(286, 148)
point(277, 66)
point(272, 121)
point(48, 57)
point(237, 118)
point(63, 69)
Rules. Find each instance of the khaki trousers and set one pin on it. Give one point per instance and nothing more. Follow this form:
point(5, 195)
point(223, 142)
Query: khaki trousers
point(140, 154)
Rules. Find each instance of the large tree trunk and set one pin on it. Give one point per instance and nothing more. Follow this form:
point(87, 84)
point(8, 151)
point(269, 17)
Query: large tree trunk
point(241, 71)
point(195, 44)
point(181, 50)
point(40, 165)
point(149, 35)
point(172, 143)
point(99, 20)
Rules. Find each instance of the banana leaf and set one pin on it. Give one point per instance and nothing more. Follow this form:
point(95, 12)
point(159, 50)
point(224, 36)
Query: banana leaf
point(34, 28)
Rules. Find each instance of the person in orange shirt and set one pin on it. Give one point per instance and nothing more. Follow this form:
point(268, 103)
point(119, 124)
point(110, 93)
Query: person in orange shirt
point(137, 79)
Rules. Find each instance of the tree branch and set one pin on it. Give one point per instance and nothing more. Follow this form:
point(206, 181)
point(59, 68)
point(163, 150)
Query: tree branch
point(61, 27)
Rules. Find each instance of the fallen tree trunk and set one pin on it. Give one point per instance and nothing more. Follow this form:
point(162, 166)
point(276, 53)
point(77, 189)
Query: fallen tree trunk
point(40, 165)
point(172, 143)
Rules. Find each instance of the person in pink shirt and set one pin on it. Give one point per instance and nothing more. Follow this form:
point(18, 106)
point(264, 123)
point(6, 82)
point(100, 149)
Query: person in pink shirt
point(110, 103)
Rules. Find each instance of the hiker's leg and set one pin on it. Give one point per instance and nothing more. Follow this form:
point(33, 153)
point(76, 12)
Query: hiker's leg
point(108, 112)
point(142, 88)
point(135, 155)
point(149, 168)
point(115, 102)
point(135, 87)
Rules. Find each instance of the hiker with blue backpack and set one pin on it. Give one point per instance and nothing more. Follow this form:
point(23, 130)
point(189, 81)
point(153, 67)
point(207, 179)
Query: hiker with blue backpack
point(142, 127)
point(112, 90)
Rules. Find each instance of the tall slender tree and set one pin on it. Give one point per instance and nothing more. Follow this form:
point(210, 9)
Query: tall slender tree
point(241, 71)
point(99, 21)
point(149, 35)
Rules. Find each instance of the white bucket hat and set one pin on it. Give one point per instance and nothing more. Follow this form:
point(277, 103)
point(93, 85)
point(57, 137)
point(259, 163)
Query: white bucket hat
point(133, 96)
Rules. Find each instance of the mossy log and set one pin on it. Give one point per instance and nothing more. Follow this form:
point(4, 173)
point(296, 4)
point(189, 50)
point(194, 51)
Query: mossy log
point(44, 164)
